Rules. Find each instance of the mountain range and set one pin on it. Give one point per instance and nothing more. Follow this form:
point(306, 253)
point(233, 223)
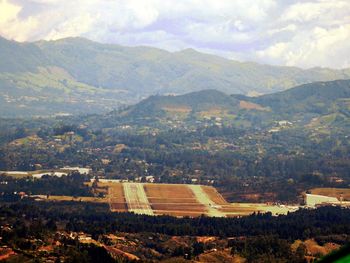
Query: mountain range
point(304, 104)
point(76, 75)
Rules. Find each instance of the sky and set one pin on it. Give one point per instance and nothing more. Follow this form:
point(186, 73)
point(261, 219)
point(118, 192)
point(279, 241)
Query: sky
point(305, 34)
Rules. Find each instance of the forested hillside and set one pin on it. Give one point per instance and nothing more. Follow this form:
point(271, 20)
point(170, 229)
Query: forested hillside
point(76, 75)
point(268, 148)
point(320, 100)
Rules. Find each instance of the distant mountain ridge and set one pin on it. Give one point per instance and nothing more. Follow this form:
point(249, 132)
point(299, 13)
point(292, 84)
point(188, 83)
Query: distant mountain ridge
point(315, 97)
point(305, 101)
point(76, 75)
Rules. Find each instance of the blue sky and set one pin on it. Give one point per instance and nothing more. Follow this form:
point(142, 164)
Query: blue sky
point(294, 33)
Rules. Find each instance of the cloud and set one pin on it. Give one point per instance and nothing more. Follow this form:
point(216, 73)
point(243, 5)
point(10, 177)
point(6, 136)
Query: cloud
point(317, 34)
point(72, 27)
point(306, 34)
point(310, 11)
point(288, 28)
point(8, 12)
point(10, 25)
point(319, 46)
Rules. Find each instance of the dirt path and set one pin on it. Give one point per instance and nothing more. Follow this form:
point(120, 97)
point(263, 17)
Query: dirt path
point(204, 199)
point(136, 199)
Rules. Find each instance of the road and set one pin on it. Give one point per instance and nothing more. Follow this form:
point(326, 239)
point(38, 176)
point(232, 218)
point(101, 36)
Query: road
point(136, 199)
point(204, 199)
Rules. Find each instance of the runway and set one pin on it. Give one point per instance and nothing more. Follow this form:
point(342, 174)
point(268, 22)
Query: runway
point(204, 199)
point(136, 199)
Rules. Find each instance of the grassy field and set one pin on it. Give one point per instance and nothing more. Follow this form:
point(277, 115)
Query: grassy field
point(17, 175)
point(177, 109)
point(77, 199)
point(24, 174)
point(20, 174)
point(313, 248)
point(333, 192)
point(251, 106)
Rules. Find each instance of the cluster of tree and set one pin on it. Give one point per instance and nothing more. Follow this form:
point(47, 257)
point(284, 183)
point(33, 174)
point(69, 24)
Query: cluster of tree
point(267, 249)
point(258, 238)
point(72, 184)
point(96, 219)
point(239, 161)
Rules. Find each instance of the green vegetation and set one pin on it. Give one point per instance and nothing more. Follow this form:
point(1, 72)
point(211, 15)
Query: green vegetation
point(70, 185)
point(326, 101)
point(248, 153)
point(75, 75)
point(33, 227)
point(266, 149)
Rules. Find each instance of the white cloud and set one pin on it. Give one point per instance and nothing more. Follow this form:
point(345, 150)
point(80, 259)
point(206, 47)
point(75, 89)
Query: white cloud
point(317, 34)
point(313, 48)
point(8, 12)
point(11, 26)
point(299, 33)
point(72, 27)
point(290, 27)
point(315, 10)
point(275, 51)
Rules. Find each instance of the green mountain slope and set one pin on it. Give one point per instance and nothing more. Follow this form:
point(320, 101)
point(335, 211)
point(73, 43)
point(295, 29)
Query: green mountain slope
point(320, 104)
point(318, 97)
point(20, 57)
point(76, 75)
point(194, 102)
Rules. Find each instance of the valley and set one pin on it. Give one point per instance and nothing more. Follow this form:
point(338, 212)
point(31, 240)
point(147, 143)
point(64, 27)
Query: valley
point(198, 176)
point(174, 131)
point(248, 154)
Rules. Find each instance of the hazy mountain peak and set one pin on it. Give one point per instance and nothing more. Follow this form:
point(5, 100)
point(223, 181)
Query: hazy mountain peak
point(116, 75)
